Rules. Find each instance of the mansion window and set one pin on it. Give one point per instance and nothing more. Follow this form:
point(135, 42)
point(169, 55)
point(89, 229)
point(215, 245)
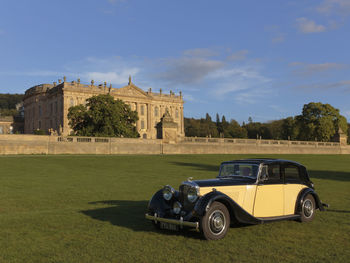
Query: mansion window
point(177, 113)
point(156, 111)
point(39, 111)
point(55, 106)
point(142, 124)
point(71, 102)
point(142, 110)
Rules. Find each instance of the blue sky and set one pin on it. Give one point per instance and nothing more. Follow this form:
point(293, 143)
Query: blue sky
point(263, 59)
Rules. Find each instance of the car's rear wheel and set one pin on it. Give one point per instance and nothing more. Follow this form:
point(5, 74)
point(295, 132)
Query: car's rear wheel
point(215, 222)
point(308, 209)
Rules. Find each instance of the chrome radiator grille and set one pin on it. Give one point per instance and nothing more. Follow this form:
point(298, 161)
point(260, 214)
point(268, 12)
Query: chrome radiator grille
point(188, 206)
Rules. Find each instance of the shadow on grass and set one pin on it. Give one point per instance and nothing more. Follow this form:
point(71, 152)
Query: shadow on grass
point(330, 175)
point(129, 214)
point(338, 211)
point(199, 166)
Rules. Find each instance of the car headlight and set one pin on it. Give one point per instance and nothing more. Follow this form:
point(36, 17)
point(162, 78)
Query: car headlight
point(177, 208)
point(168, 192)
point(192, 195)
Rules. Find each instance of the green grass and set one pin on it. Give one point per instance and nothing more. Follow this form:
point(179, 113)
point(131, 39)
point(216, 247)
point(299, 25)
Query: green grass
point(91, 209)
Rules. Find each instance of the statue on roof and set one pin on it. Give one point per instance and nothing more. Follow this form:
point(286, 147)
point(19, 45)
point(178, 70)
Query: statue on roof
point(129, 79)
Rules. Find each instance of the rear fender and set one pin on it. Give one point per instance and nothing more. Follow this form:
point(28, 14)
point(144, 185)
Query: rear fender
point(301, 197)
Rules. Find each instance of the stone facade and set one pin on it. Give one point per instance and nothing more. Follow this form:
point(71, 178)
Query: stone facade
point(44, 144)
point(46, 106)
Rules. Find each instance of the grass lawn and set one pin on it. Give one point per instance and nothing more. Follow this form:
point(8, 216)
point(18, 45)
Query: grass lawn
point(91, 209)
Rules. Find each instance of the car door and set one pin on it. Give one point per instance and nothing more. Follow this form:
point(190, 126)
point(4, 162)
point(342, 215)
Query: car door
point(292, 187)
point(269, 198)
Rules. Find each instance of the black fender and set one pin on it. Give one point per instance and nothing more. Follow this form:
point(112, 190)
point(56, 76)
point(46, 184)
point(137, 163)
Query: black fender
point(158, 205)
point(235, 210)
point(303, 193)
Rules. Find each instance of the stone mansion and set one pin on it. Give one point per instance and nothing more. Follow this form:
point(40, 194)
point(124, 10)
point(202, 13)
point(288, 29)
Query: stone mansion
point(46, 106)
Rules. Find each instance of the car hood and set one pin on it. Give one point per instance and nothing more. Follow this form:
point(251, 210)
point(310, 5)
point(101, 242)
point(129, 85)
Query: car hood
point(224, 182)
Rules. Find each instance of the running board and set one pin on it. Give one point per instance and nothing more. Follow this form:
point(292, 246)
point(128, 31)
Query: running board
point(277, 218)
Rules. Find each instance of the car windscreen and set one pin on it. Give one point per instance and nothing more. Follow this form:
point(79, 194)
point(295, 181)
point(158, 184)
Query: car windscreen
point(239, 170)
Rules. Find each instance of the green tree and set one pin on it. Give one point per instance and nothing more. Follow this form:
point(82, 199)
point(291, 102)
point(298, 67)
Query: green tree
point(9, 101)
point(320, 122)
point(234, 130)
point(255, 130)
point(290, 128)
point(103, 116)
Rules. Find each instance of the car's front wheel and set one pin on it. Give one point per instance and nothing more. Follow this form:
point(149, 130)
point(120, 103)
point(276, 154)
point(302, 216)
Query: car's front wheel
point(308, 208)
point(215, 222)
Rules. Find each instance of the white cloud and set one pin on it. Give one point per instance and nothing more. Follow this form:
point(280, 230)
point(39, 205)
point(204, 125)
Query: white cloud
point(34, 73)
point(308, 26)
point(237, 72)
point(195, 73)
point(343, 85)
point(243, 84)
point(278, 39)
point(239, 55)
point(187, 70)
point(200, 52)
point(311, 69)
point(118, 78)
point(337, 7)
point(276, 35)
point(252, 95)
point(116, 1)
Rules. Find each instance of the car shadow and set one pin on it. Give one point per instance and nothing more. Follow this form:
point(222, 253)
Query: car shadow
point(131, 215)
point(338, 211)
point(329, 175)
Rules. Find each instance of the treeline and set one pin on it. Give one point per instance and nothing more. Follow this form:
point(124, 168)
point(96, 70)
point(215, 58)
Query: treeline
point(8, 103)
point(318, 121)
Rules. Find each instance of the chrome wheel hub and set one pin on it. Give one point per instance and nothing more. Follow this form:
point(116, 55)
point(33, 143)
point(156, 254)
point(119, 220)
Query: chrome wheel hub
point(217, 222)
point(308, 208)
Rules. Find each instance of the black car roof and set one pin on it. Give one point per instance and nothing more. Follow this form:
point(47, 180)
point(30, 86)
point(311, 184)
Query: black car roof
point(264, 161)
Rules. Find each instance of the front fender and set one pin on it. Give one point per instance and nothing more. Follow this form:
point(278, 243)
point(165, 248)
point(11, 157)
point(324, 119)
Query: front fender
point(158, 205)
point(236, 211)
point(303, 193)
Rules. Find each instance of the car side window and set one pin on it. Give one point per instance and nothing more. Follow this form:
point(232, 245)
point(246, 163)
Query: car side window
point(274, 174)
point(291, 173)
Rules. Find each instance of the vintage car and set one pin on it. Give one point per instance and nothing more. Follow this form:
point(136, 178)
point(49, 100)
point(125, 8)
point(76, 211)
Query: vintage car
point(250, 191)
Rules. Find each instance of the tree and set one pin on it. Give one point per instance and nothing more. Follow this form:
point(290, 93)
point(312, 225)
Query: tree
point(320, 122)
point(103, 116)
point(290, 128)
point(234, 130)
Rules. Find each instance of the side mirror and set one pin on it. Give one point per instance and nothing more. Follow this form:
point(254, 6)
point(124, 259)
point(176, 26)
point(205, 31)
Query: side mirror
point(264, 178)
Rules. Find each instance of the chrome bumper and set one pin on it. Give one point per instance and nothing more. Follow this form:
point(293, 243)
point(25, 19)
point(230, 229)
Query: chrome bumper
point(180, 222)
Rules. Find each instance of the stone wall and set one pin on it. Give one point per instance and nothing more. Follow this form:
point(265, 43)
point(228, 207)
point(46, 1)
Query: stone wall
point(36, 144)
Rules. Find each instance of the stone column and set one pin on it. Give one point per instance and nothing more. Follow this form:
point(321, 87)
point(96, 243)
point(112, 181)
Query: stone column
point(138, 112)
point(182, 121)
point(148, 106)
